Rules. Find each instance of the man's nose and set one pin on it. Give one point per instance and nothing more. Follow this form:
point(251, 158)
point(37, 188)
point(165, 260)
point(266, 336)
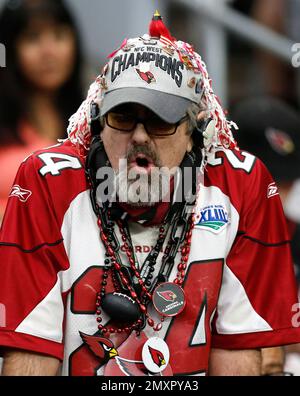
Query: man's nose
point(140, 135)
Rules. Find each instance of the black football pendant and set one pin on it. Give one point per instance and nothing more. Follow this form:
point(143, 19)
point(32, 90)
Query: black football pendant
point(120, 307)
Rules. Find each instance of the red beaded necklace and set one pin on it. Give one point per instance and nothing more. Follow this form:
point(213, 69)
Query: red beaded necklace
point(113, 265)
point(124, 277)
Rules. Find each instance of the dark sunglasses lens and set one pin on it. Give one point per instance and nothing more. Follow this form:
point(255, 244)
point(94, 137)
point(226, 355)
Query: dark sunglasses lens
point(121, 121)
point(157, 126)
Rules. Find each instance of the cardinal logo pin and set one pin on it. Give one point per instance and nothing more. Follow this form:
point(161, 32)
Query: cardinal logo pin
point(155, 355)
point(168, 299)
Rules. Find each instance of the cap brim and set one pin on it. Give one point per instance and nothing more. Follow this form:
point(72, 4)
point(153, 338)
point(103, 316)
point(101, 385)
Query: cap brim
point(170, 108)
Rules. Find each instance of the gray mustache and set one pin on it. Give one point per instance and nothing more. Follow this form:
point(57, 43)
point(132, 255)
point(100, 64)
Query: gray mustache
point(142, 149)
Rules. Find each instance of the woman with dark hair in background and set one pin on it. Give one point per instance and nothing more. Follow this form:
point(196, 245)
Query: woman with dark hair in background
point(40, 87)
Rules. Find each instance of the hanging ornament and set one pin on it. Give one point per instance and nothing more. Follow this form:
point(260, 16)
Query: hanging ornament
point(129, 362)
point(120, 307)
point(155, 355)
point(168, 299)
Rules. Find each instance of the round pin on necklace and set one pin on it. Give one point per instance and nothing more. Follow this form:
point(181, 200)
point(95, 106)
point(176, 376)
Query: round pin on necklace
point(168, 299)
point(155, 355)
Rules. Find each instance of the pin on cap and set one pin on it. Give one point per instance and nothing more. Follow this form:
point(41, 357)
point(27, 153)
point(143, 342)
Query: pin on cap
point(174, 79)
point(156, 72)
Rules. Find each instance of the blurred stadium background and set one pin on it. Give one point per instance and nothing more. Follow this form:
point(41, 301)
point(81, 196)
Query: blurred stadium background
point(246, 44)
point(225, 32)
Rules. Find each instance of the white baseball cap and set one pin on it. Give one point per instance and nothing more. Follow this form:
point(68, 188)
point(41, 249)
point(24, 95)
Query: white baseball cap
point(161, 74)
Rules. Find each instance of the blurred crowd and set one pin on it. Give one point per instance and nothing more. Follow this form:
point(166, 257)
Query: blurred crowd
point(42, 86)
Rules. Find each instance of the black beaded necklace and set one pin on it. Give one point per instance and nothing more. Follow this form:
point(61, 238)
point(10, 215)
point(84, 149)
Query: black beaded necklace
point(132, 288)
point(137, 294)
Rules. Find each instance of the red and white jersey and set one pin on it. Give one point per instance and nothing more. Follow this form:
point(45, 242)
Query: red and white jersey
point(239, 285)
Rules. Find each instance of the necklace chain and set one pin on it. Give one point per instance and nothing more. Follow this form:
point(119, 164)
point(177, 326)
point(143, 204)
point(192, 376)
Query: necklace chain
point(123, 278)
point(120, 274)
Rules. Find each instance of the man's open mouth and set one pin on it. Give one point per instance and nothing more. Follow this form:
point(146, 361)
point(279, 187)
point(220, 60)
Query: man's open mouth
point(141, 161)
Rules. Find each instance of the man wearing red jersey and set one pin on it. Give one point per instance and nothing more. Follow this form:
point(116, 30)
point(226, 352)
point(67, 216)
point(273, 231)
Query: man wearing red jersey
point(214, 282)
point(270, 129)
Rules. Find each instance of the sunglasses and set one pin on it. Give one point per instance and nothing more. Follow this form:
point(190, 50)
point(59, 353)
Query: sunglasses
point(155, 126)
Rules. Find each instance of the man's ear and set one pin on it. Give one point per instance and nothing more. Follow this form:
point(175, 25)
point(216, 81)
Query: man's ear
point(190, 144)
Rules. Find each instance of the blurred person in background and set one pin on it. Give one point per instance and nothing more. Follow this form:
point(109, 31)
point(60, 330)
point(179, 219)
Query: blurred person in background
point(293, 202)
point(282, 16)
point(270, 129)
point(83, 303)
point(41, 85)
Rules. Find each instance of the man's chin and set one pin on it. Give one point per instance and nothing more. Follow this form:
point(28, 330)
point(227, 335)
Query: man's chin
point(144, 195)
point(140, 204)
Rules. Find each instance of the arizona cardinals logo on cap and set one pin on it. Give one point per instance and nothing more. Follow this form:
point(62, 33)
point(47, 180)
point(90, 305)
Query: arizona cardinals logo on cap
point(146, 76)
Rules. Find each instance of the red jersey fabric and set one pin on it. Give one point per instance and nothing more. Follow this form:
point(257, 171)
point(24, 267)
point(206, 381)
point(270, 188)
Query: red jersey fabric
point(239, 285)
point(12, 155)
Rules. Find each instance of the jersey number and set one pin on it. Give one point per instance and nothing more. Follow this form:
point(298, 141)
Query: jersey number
point(245, 164)
point(187, 334)
point(55, 162)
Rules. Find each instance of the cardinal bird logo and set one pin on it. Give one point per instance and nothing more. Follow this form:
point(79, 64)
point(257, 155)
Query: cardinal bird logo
point(167, 295)
point(157, 356)
point(104, 350)
point(102, 347)
point(280, 141)
point(146, 76)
